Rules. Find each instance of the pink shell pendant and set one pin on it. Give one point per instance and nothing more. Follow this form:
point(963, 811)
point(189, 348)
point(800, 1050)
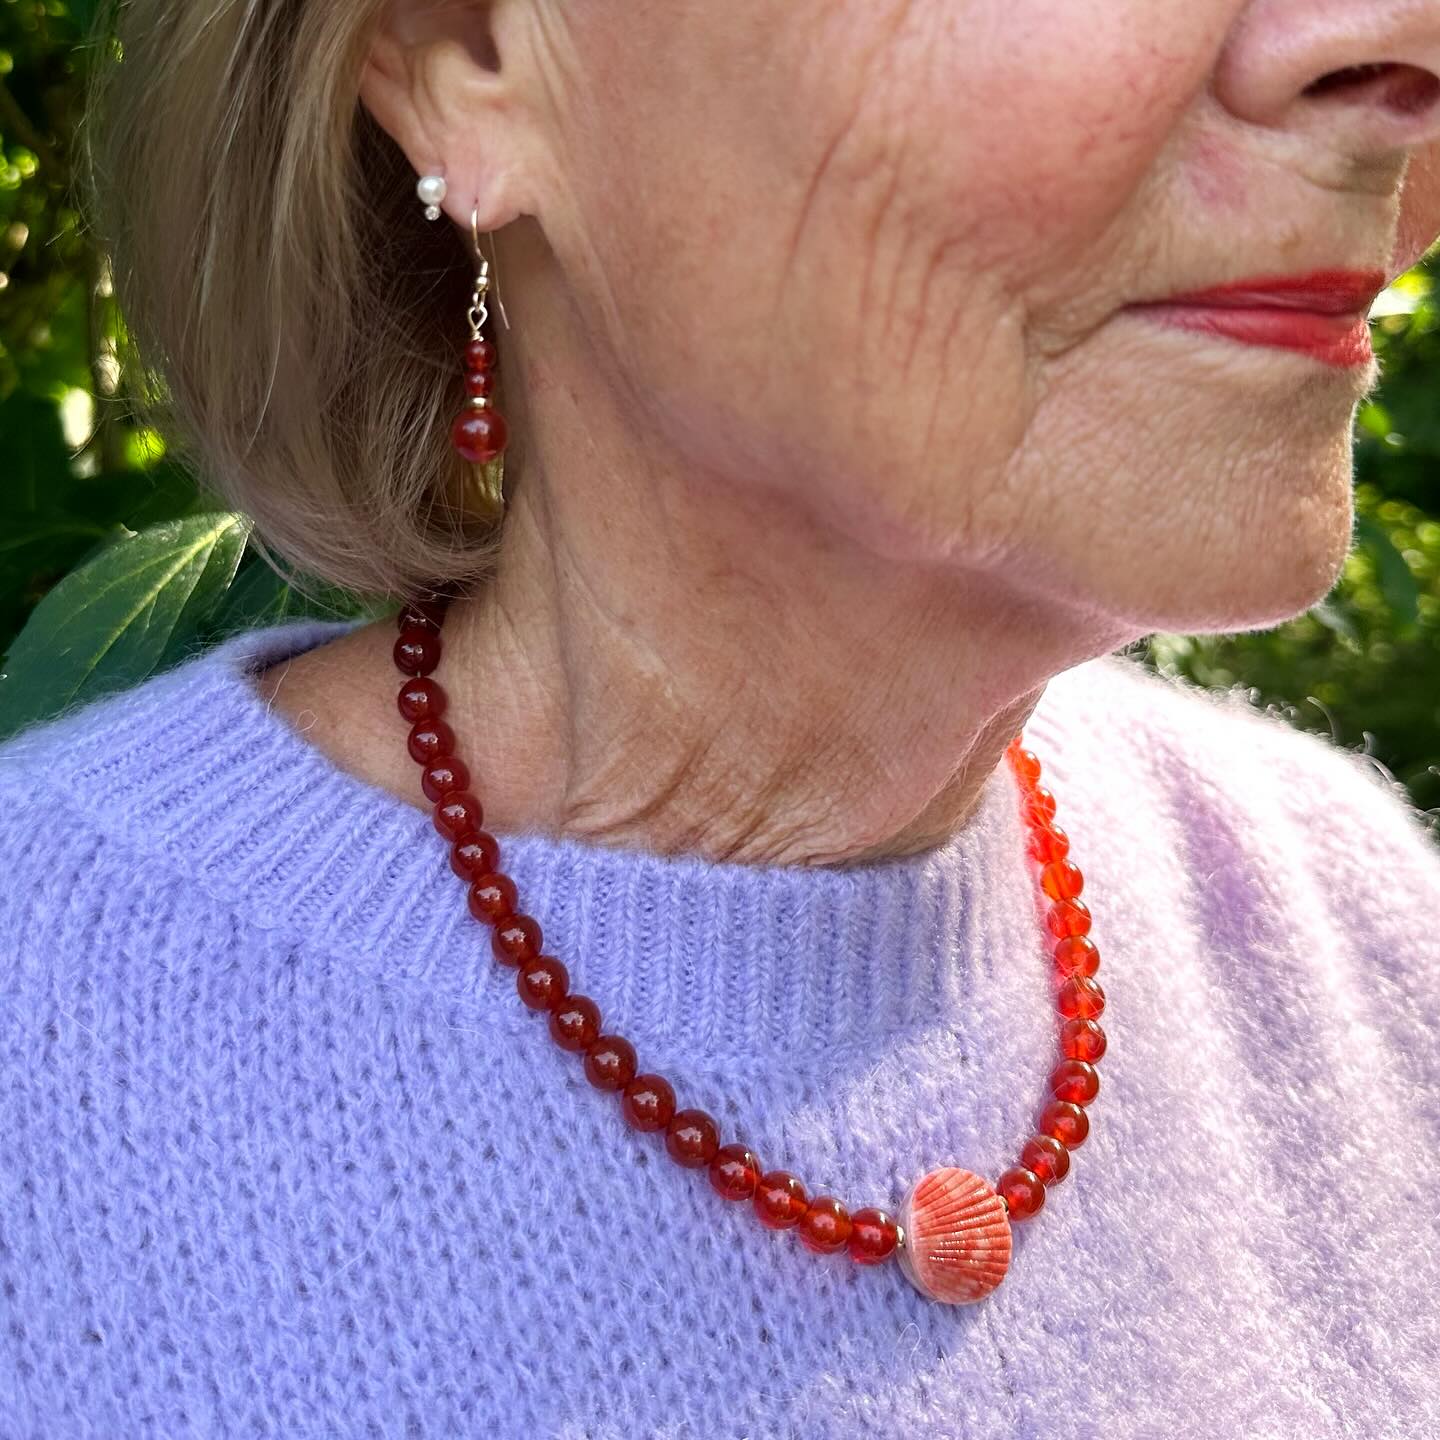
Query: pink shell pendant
point(957, 1236)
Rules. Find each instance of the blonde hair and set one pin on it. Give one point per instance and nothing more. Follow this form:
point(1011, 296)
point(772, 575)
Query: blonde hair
point(293, 324)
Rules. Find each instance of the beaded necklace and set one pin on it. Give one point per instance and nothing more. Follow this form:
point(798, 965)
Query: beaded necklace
point(952, 1237)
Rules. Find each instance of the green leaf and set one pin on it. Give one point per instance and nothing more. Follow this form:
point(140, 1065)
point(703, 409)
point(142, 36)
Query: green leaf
point(130, 610)
point(1335, 619)
point(1397, 581)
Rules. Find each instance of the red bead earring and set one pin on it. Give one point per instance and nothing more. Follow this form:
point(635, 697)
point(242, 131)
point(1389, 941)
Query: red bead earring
point(479, 433)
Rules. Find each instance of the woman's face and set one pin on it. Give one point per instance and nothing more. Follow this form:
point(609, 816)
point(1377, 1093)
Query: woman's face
point(879, 255)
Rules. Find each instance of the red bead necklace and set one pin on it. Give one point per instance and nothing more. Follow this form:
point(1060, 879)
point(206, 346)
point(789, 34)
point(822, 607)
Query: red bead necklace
point(952, 1236)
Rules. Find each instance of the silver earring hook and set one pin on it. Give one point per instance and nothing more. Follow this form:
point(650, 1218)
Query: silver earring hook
point(483, 263)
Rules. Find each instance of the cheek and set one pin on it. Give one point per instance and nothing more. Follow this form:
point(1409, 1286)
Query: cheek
point(1419, 210)
point(1053, 127)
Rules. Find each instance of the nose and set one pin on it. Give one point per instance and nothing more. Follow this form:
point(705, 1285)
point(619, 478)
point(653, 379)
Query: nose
point(1360, 75)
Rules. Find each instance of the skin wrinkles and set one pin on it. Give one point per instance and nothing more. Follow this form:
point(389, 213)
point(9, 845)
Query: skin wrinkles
point(839, 437)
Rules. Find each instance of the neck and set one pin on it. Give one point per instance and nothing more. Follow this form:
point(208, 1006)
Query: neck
point(684, 663)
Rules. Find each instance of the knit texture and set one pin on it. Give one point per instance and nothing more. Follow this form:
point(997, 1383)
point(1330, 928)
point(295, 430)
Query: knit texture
point(283, 1154)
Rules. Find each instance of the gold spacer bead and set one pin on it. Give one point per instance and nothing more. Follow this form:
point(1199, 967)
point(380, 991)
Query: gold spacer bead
point(479, 402)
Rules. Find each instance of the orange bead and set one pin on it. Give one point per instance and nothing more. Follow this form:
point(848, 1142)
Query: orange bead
point(416, 651)
point(492, 898)
point(443, 777)
point(1066, 1121)
point(873, 1236)
point(1068, 917)
point(610, 1062)
point(1047, 1157)
point(1026, 764)
point(516, 939)
point(1076, 1081)
point(1081, 998)
point(421, 698)
point(475, 854)
point(429, 740)
point(735, 1172)
point(1023, 1192)
point(458, 814)
point(479, 436)
point(1082, 1040)
point(542, 982)
point(1077, 955)
point(575, 1023)
point(422, 614)
point(648, 1102)
point(479, 354)
point(1038, 807)
point(1062, 880)
point(692, 1138)
point(825, 1226)
point(780, 1200)
point(1047, 843)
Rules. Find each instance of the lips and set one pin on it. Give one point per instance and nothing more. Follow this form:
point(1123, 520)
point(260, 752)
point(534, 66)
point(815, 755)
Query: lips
point(1323, 314)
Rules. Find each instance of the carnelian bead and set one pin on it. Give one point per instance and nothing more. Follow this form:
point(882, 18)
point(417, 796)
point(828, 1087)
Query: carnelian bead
point(422, 614)
point(780, 1200)
point(610, 1062)
point(542, 982)
point(692, 1138)
point(873, 1236)
point(429, 740)
point(1082, 1040)
point(575, 1023)
point(825, 1226)
point(1066, 1121)
point(443, 777)
point(1076, 1081)
point(1023, 1192)
point(421, 698)
point(492, 898)
point(1026, 764)
point(1048, 843)
point(479, 435)
point(475, 854)
point(517, 938)
point(1081, 998)
point(479, 354)
point(1038, 807)
point(479, 382)
point(1047, 1157)
point(417, 652)
point(648, 1102)
point(1068, 917)
point(458, 814)
point(1077, 955)
point(1062, 880)
point(735, 1172)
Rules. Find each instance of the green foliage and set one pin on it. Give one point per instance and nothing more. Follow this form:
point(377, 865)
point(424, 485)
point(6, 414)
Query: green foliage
point(115, 562)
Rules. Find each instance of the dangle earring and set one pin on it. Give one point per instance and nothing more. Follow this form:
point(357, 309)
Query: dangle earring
point(479, 433)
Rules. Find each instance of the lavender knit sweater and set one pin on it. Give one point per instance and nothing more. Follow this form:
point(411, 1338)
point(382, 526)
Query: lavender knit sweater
point(282, 1153)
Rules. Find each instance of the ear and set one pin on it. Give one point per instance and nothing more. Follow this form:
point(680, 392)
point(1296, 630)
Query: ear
point(434, 81)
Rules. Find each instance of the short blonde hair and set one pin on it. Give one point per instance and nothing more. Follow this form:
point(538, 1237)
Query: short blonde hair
point(294, 325)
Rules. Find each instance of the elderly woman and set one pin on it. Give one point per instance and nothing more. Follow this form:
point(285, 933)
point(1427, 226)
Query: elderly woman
point(642, 985)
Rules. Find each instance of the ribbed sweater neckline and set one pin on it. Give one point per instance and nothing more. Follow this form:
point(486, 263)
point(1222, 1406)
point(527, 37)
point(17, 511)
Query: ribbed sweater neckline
point(723, 960)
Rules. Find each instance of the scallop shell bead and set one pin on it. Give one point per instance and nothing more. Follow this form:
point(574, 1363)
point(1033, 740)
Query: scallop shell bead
point(957, 1236)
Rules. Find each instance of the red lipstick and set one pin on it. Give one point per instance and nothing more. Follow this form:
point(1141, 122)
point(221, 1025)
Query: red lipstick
point(1323, 314)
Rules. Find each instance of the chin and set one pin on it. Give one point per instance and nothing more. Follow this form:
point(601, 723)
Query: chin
point(1253, 580)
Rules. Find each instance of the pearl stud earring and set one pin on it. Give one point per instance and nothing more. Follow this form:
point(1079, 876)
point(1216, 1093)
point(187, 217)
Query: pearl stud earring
point(431, 190)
